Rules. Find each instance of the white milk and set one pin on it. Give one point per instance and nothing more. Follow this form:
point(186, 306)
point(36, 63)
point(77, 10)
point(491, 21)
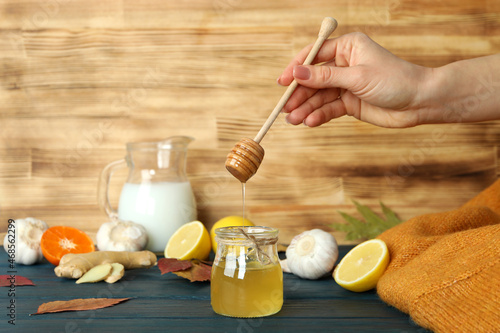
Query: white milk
point(160, 207)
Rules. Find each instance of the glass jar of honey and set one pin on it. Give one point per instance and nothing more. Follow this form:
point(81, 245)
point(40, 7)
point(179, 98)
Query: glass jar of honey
point(247, 280)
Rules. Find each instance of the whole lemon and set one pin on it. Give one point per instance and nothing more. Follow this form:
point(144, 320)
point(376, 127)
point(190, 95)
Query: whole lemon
point(229, 221)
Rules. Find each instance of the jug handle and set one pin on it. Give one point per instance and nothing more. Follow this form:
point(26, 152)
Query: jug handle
point(103, 187)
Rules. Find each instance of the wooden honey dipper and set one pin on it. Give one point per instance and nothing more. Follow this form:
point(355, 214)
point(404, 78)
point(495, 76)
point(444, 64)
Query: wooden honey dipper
point(245, 157)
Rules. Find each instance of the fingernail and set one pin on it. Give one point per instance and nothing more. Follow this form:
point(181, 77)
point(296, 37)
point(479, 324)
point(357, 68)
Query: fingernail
point(301, 73)
point(278, 80)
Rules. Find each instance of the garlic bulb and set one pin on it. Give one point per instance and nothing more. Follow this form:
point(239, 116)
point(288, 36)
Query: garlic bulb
point(120, 235)
point(312, 254)
point(24, 238)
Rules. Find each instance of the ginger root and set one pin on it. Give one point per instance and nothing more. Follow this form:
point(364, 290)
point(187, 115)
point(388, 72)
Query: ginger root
point(116, 273)
point(73, 265)
point(96, 274)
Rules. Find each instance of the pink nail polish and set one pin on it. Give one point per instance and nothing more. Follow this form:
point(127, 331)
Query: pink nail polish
point(301, 73)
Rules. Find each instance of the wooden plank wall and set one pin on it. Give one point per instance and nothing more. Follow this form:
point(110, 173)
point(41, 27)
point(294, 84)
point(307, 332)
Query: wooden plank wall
point(79, 79)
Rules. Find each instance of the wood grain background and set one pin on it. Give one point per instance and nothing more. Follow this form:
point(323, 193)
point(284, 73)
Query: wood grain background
point(79, 79)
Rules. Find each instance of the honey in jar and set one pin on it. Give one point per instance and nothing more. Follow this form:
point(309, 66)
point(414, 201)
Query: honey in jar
point(247, 280)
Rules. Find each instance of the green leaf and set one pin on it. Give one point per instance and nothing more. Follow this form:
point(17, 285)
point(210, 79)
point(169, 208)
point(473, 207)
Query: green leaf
point(391, 217)
point(372, 219)
point(354, 229)
point(372, 226)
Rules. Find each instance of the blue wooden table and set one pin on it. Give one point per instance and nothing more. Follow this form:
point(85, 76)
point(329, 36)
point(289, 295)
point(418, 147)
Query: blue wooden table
point(168, 303)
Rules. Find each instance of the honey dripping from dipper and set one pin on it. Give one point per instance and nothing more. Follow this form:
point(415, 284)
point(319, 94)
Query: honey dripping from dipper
point(245, 157)
point(243, 161)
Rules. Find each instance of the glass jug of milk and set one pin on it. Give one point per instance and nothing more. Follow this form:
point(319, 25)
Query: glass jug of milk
point(157, 193)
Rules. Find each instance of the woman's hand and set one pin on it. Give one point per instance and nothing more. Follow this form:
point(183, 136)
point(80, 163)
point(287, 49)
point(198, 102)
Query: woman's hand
point(358, 78)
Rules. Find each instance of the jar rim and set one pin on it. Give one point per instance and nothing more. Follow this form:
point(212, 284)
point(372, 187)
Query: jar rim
point(259, 232)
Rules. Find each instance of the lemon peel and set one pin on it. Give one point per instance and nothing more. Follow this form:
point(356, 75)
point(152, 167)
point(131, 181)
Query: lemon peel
point(228, 221)
point(362, 267)
point(190, 241)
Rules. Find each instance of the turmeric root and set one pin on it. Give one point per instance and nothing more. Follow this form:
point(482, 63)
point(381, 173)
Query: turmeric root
point(74, 265)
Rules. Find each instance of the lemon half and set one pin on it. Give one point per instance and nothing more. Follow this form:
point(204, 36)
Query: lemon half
point(229, 221)
point(362, 267)
point(190, 241)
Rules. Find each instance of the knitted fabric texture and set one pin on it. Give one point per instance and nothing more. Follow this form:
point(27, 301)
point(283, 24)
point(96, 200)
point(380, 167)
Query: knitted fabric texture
point(445, 267)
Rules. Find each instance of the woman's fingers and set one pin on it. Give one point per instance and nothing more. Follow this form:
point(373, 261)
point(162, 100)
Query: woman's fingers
point(302, 94)
point(299, 96)
point(287, 76)
point(325, 113)
point(326, 53)
point(320, 100)
point(320, 77)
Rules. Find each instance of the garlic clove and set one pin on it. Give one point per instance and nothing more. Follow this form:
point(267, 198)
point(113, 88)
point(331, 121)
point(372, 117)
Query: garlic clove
point(120, 235)
point(306, 245)
point(28, 234)
point(312, 254)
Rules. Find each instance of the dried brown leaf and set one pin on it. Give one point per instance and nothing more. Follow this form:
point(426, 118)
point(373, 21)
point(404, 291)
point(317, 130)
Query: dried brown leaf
point(200, 271)
point(80, 304)
point(167, 265)
point(16, 280)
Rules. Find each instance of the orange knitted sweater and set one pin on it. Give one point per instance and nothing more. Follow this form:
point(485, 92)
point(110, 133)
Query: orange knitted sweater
point(445, 267)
